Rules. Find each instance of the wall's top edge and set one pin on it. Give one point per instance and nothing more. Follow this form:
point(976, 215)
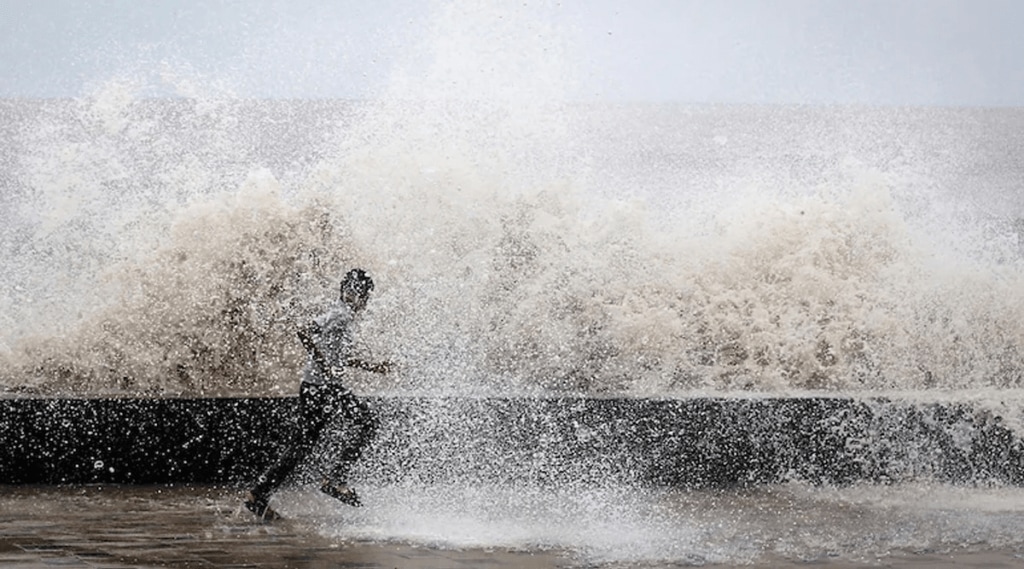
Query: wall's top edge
point(450, 397)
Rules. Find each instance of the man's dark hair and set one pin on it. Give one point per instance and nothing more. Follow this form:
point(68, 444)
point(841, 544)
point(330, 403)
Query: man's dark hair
point(357, 281)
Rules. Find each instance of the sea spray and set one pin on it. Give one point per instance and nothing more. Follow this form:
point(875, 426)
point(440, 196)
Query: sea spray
point(521, 243)
point(487, 283)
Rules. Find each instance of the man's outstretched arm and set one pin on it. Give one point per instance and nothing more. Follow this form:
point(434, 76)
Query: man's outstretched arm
point(306, 337)
point(379, 367)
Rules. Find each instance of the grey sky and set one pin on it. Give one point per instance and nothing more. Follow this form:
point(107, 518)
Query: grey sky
point(797, 51)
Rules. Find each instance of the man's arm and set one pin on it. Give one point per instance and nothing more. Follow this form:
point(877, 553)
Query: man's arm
point(380, 367)
point(306, 337)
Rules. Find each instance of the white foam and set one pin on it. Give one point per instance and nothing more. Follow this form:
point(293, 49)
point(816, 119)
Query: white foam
point(638, 527)
point(520, 243)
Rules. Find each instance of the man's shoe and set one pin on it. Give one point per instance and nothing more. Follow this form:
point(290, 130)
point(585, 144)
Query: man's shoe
point(342, 493)
point(260, 507)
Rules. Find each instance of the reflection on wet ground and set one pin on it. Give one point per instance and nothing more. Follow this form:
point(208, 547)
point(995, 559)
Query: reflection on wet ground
point(118, 527)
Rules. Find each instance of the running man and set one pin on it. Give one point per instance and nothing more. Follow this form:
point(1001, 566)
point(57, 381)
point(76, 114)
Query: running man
point(325, 401)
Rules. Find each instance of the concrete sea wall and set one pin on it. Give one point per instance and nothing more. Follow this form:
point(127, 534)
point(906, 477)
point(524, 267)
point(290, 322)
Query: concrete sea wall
point(694, 442)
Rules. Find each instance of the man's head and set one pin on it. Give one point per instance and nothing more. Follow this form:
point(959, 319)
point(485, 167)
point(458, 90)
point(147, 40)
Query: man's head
point(355, 289)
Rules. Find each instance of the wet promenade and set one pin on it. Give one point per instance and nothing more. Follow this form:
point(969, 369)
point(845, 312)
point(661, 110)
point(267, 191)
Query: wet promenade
point(117, 527)
point(139, 527)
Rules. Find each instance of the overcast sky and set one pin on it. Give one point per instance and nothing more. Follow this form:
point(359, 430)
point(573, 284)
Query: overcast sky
point(950, 52)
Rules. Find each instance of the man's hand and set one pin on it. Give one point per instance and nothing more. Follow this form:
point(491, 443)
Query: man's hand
point(381, 367)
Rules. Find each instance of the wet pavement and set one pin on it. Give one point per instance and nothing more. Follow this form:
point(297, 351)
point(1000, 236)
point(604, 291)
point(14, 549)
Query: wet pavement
point(119, 527)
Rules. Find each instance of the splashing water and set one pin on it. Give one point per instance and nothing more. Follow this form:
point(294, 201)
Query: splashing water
point(525, 244)
point(783, 526)
point(522, 243)
point(150, 253)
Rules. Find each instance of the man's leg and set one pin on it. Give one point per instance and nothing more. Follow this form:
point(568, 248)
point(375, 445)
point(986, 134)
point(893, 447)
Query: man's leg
point(311, 421)
point(364, 426)
point(271, 480)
